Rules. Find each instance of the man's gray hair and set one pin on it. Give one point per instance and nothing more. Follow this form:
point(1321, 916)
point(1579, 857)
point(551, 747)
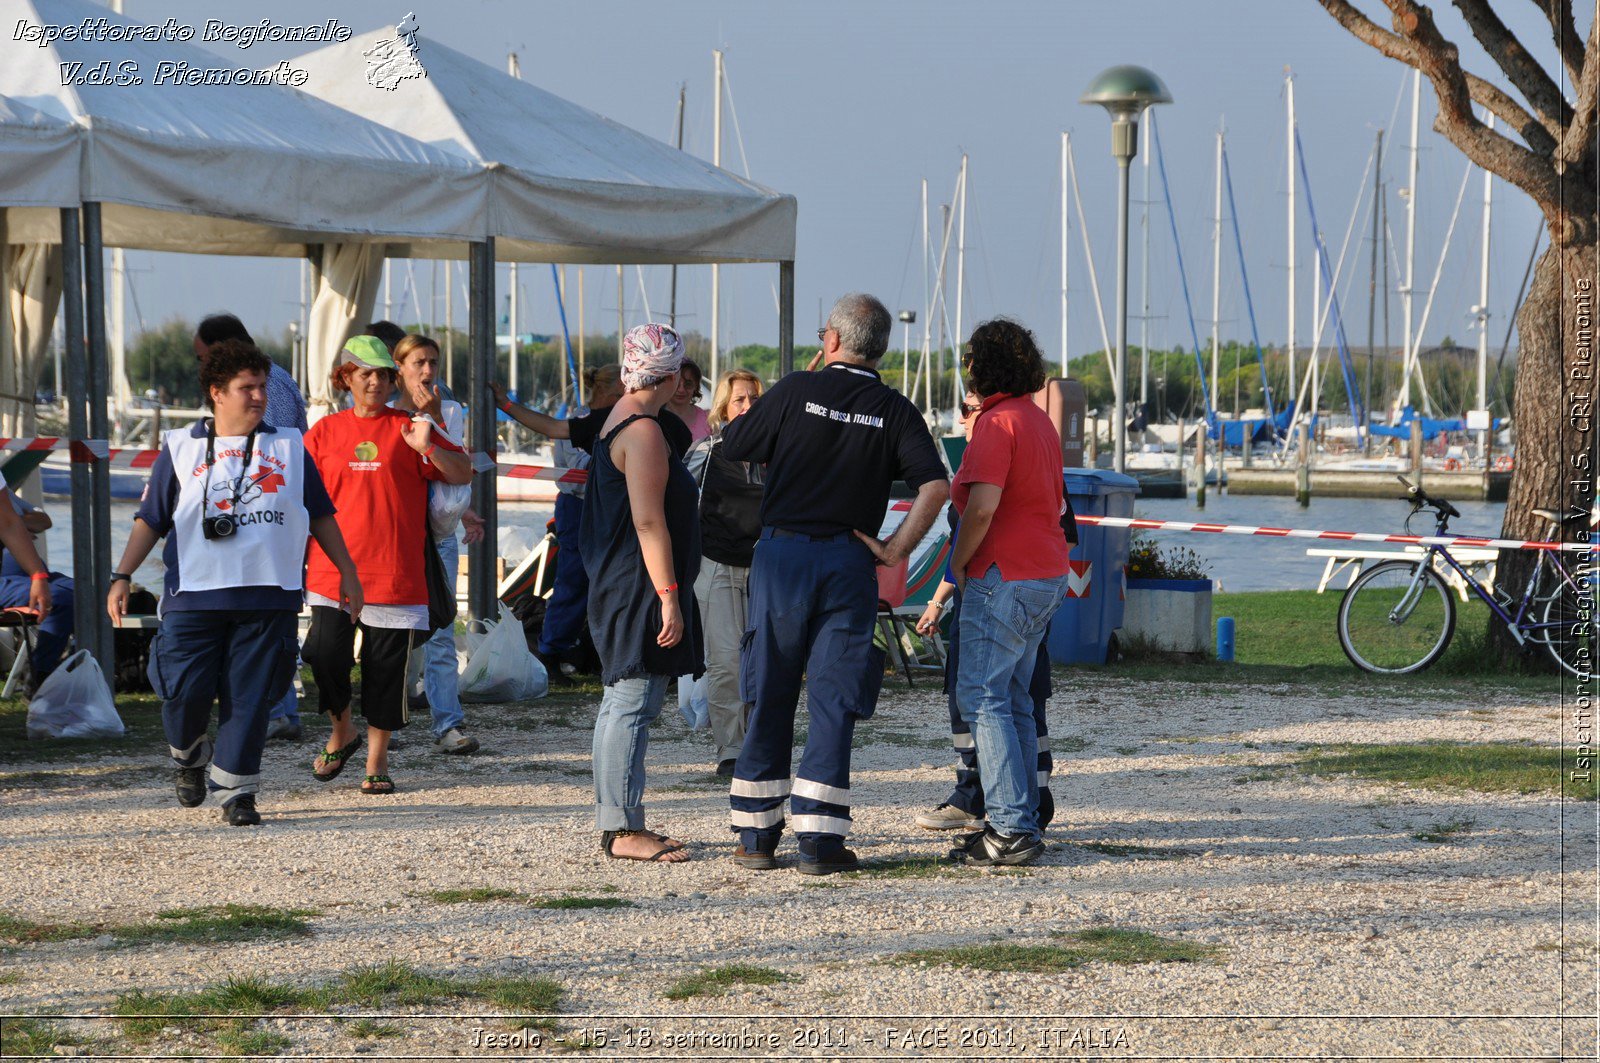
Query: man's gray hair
point(863, 324)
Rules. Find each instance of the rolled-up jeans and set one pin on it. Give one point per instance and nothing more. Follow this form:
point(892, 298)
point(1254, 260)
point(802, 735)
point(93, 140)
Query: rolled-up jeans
point(441, 676)
point(1002, 622)
point(621, 735)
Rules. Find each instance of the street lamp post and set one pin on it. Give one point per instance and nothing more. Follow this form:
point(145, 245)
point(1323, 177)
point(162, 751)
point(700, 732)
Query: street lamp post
point(907, 318)
point(1125, 92)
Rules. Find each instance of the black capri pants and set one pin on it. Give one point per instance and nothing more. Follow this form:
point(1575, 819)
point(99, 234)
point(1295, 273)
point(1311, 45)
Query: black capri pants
point(385, 655)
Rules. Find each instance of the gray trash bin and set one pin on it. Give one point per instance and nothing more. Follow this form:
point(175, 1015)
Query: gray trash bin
point(1081, 630)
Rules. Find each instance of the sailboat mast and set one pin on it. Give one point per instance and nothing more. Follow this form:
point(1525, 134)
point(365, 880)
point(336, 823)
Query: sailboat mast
point(1144, 274)
point(1483, 298)
point(961, 275)
point(1063, 254)
point(514, 68)
point(1288, 81)
point(716, 160)
point(1372, 270)
point(927, 300)
point(1411, 245)
point(1216, 274)
point(672, 305)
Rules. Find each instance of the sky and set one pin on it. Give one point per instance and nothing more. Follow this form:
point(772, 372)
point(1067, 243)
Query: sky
point(849, 105)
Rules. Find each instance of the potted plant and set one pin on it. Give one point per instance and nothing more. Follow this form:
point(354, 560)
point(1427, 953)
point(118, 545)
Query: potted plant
point(1169, 598)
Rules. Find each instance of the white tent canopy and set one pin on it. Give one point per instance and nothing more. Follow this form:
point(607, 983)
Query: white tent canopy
point(38, 158)
point(247, 169)
point(569, 185)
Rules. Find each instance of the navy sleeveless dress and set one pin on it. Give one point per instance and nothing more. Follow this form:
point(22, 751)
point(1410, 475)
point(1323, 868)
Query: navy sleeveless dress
point(624, 608)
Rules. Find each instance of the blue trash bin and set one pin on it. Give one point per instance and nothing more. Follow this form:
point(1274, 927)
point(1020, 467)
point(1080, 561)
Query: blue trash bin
point(1081, 630)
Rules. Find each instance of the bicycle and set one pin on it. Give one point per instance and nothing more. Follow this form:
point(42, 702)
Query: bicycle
point(1398, 616)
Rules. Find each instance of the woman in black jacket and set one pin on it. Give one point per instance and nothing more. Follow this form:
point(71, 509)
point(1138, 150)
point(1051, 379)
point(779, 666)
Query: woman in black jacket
point(730, 524)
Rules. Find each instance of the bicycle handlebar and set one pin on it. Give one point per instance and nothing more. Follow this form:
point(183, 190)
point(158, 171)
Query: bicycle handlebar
point(1419, 498)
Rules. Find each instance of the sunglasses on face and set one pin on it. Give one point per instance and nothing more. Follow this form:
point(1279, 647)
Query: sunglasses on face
point(968, 409)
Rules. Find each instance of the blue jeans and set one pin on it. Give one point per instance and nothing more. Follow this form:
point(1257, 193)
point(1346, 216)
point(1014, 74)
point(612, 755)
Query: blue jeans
point(55, 630)
point(568, 608)
point(441, 675)
point(621, 734)
point(1002, 624)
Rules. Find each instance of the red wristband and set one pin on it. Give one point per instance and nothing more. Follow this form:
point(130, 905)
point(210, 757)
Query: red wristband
point(431, 448)
point(506, 405)
point(46, 575)
point(668, 589)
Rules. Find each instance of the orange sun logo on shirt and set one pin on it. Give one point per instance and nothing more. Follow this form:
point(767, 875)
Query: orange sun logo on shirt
point(367, 451)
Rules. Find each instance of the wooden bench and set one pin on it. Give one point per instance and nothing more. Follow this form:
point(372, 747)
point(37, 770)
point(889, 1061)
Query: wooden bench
point(1478, 562)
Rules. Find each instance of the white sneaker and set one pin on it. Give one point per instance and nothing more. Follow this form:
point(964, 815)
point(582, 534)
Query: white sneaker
point(948, 817)
point(453, 741)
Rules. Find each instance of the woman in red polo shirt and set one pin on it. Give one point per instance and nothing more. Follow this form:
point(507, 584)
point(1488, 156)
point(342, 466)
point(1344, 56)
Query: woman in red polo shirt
point(376, 462)
point(1010, 563)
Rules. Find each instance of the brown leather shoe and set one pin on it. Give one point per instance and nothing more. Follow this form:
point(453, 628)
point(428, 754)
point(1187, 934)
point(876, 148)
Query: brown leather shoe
point(755, 861)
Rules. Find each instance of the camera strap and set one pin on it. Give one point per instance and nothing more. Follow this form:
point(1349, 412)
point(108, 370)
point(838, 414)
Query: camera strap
point(211, 461)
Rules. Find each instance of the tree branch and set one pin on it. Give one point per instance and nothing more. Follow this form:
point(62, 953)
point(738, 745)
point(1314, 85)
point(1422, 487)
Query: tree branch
point(1531, 79)
point(1541, 140)
point(1578, 142)
point(1440, 61)
point(1564, 30)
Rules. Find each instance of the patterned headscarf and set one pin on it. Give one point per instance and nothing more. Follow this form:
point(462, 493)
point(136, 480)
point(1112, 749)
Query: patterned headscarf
point(650, 354)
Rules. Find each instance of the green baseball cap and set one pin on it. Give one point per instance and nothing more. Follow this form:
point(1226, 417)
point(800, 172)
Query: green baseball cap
point(367, 351)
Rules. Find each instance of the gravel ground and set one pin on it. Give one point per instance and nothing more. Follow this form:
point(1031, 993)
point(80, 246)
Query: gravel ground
point(1341, 933)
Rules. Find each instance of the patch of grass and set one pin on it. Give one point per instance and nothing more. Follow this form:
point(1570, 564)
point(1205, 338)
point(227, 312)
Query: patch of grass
point(1079, 948)
point(240, 1039)
point(14, 928)
point(10, 977)
point(369, 1028)
point(141, 716)
point(33, 1037)
point(567, 903)
point(476, 895)
point(714, 981)
point(1439, 833)
point(1263, 773)
point(231, 1008)
point(905, 741)
point(551, 767)
point(1069, 744)
point(228, 922)
point(1486, 767)
point(1137, 852)
point(1125, 751)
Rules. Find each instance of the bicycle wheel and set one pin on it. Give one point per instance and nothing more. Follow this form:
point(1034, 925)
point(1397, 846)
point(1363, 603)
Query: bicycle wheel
point(1397, 617)
point(1572, 643)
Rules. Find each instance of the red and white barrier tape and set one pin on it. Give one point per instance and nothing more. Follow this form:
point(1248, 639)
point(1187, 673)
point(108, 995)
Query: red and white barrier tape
point(91, 450)
point(1341, 536)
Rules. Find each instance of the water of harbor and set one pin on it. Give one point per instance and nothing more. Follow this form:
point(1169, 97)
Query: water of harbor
point(1238, 562)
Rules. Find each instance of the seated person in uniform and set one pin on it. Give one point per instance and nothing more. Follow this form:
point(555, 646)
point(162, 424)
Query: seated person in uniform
point(55, 630)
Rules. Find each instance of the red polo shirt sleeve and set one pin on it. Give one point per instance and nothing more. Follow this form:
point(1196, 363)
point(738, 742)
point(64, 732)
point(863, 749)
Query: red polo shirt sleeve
point(1014, 447)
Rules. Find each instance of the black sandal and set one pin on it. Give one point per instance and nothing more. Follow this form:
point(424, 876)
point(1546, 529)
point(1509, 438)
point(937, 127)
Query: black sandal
point(609, 837)
point(377, 785)
point(336, 758)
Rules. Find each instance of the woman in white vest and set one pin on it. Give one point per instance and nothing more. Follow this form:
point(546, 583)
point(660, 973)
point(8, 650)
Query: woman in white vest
point(235, 499)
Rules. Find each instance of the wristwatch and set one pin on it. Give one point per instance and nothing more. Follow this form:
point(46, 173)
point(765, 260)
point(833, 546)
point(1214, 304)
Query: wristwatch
point(121, 575)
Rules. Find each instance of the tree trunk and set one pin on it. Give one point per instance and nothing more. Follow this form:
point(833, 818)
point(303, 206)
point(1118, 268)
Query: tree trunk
point(1555, 419)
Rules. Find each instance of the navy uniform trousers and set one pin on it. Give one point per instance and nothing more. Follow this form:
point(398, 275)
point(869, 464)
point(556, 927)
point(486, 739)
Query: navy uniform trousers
point(813, 605)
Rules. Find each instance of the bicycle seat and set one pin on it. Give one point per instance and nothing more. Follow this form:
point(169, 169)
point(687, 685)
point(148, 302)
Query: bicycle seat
point(1567, 520)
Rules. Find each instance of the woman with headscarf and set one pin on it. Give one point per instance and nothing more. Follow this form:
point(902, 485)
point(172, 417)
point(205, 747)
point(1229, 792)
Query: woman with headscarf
point(730, 526)
point(641, 548)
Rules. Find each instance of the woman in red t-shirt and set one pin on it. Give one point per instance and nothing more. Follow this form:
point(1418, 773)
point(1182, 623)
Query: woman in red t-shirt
point(376, 462)
point(1010, 563)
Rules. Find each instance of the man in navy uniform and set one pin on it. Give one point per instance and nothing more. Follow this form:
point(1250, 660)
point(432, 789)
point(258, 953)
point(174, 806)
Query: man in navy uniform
point(833, 441)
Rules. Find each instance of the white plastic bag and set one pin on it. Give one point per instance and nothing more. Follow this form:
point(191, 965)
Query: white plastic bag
point(74, 702)
point(692, 703)
point(446, 503)
point(501, 667)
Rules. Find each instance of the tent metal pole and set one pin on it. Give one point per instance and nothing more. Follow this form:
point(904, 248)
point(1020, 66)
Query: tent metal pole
point(785, 318)
point(480, 314)
point(85, 623)
point(94, 290)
